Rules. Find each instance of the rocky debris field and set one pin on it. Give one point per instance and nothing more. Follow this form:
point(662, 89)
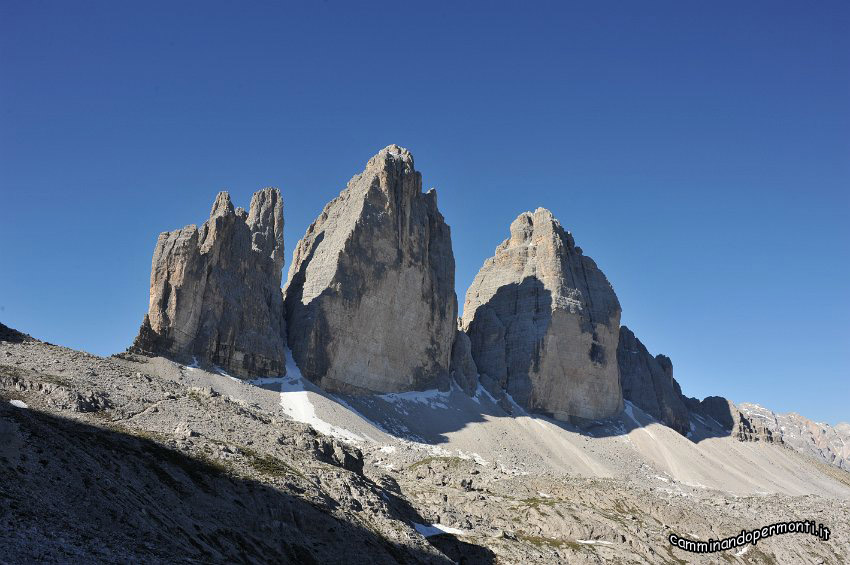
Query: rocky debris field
point(128, 459)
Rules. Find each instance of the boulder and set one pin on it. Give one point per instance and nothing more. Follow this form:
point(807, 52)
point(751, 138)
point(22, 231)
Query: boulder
point(648, 382)
point(543, 322)
point(370, 301)
point(215, 293)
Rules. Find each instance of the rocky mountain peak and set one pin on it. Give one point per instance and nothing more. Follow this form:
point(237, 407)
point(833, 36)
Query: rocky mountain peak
point(370, 300)
point(529, 226)
point(215, 291)
point(265, 220)
point(222, 205)
point(391, 155)
point(543, 323)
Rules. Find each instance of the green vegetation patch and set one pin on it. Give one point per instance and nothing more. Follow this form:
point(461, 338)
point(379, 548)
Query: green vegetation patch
point(449, 461)
point(268, 464)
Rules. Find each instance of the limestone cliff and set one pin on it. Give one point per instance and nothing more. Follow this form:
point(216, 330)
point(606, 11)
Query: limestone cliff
point(463, 368)
point(543, 322)
point(370, 301)
point(648, 382)
point(215, 291)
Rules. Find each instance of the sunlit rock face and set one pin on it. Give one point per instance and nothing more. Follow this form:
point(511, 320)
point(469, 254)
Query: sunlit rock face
point(215, 293)
point(543, 322)
point(370, 301)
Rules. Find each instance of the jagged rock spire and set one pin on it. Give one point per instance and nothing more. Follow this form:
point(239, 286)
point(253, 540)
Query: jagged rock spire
point(215, 291)
point(370, 301)
point(543, 323)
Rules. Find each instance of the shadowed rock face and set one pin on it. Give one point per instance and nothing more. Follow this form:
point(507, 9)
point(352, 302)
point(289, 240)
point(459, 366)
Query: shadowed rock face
point(463, 368)
point(215, 291)
point(648, 382)
point(543, 322)
point(370, 302)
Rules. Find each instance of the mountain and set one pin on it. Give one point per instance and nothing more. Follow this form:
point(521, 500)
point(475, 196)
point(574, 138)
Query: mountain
point(353, 418)
point(215, 291)
point(543, 322)
point(820, 441)
point(370, 300)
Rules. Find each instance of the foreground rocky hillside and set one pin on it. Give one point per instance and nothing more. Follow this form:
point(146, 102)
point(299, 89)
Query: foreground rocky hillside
point(140, 459)
point(352, 418)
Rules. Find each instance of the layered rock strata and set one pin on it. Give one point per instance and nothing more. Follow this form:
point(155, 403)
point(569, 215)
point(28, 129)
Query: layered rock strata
point(816, 439)
point(370, 301)
point(215, 292)
point(543, 322)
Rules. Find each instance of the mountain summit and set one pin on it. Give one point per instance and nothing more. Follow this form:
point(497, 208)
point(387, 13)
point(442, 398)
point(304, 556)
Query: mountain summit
point(370, 300)
point(543, 322)
point(215, 291)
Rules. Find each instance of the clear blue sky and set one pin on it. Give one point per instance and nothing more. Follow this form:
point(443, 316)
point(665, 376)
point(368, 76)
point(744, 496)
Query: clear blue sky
point(699, 152)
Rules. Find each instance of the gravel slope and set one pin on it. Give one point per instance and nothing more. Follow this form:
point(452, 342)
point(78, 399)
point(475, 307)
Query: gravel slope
point(137, 459)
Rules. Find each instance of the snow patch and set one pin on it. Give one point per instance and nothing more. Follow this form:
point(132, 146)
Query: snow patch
point(18, 403)
point(295, 402)
point(436, 529)
point(472, 456)
point(432, 398)
point(481, 392)
point(630, 412)
point(595, 541)
point(520, 411)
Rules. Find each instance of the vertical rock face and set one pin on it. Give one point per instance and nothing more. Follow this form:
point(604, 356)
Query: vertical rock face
point(717, 408)
point(543, 322)
point(754, 423)
point(215, 291)
point(463, 368)
point(370, 302)
point(648, 382)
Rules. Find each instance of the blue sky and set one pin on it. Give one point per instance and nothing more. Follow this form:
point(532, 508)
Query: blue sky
point(699, 152)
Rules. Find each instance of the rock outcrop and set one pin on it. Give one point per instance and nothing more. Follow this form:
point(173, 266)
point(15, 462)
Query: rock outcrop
point(370, 301)
point(830, 444)
point(648, 382)
point(543, 322)
point(721, 410)
point(215, 292)
point(463, 368)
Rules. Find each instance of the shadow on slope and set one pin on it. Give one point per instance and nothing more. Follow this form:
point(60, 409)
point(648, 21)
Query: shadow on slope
point(12, 335)
point(428, 416)
point(76, 492)
point(506, 337)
